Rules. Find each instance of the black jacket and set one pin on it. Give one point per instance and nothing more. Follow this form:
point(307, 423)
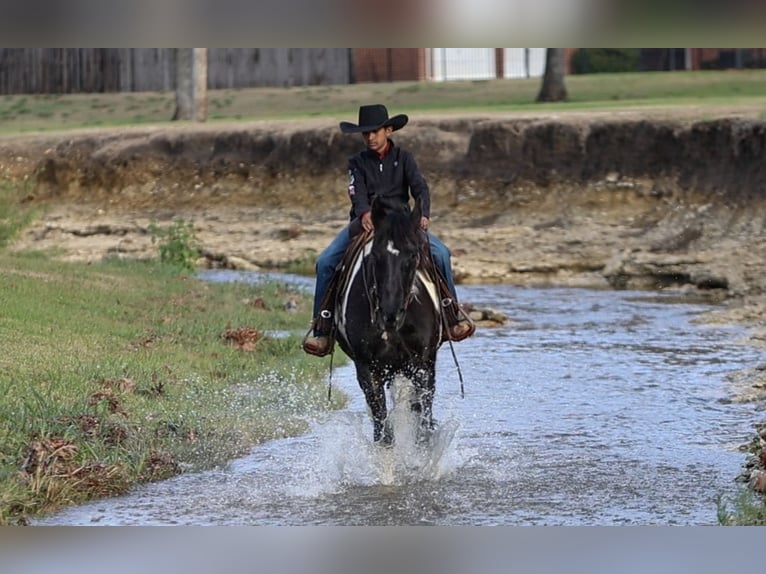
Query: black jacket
point(394, 177)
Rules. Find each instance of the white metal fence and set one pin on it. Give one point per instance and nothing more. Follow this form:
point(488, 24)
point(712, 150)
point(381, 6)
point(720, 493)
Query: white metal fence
point(443, 64)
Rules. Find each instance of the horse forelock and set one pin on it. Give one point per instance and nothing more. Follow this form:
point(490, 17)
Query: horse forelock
point(395, 231)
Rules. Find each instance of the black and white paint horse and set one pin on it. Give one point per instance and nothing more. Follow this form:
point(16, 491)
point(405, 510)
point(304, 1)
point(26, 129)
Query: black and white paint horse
point(388, 318)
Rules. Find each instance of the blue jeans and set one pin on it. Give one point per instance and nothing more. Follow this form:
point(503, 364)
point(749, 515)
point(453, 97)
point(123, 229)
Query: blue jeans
point(329, 259)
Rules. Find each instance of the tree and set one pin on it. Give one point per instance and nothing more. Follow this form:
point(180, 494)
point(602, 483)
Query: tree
point(191, 84)
point(553, 88)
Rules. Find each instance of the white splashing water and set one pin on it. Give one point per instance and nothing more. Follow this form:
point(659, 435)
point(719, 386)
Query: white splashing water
point(344, 454)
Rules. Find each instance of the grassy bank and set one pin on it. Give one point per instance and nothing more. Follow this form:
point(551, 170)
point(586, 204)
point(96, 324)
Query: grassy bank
point(21, 113)
point(126, 371)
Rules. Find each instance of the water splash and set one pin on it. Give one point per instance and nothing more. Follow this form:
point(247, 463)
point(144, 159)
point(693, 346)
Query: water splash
point(343, 454)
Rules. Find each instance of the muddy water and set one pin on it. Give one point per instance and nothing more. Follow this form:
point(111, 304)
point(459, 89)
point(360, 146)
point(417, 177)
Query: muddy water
point(589, 408)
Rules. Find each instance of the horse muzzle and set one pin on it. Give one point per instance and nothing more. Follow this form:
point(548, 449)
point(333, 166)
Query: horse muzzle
point(389, 322)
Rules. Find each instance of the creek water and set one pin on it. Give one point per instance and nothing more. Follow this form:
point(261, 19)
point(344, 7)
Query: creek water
point(587, 408)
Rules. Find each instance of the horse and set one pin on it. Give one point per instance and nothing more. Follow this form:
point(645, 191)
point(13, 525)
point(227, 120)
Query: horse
point(388, 318)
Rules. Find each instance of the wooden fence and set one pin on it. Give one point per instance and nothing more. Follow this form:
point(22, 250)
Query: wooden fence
point(73, 70)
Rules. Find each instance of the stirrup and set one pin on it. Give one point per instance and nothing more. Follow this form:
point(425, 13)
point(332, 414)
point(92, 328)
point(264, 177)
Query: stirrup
point(318, 351)
point(470, 331)
point(314, 350)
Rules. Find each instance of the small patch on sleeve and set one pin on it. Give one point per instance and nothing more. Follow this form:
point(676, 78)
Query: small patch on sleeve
point(351, 187)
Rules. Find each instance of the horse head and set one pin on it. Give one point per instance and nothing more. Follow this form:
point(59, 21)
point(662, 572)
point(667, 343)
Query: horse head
point(393, 261)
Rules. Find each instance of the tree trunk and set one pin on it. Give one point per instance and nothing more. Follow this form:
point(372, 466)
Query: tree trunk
point(553, 88)
point(200, 84)
point(526, 63)
point(184, 84)
point(191, 84)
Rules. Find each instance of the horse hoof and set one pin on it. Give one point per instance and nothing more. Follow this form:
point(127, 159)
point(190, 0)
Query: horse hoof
point(425, 434)
point(425, 437)
point(385, 442)
point(386, 437)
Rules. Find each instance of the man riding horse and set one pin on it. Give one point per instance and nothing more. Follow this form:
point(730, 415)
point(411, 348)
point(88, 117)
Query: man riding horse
point(381, 170)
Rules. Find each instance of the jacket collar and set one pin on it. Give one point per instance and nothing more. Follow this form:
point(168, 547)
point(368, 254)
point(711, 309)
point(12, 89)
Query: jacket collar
point(389, 148)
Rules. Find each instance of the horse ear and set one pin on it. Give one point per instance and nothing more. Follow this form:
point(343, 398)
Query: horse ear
point(378, 211)
point(417, 214)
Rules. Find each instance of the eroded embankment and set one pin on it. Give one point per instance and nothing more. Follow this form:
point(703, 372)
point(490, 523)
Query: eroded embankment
point(623, 203)
point(471, 161)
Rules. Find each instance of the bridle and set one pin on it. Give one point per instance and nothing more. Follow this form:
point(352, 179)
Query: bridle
point(371, 284)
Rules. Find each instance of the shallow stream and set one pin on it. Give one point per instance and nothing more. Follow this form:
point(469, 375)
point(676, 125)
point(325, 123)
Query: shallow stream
point(587, 408)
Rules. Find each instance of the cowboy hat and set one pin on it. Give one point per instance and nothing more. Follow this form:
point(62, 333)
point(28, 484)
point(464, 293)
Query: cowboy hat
point(372, 118)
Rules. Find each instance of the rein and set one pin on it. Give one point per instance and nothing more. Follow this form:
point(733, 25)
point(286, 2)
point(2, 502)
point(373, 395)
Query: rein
point(443, 315)
point(372, 292)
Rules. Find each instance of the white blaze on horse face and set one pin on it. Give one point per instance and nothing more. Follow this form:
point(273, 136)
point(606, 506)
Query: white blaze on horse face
point(391, 249)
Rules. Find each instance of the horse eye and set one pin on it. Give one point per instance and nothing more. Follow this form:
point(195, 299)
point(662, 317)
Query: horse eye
point(411, 262)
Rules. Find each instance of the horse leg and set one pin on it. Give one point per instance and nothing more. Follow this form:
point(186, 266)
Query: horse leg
point(424, 382)
point(374, 393)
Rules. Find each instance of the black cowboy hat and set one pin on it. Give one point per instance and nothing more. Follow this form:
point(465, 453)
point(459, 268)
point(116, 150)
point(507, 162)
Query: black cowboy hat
point(372, 118)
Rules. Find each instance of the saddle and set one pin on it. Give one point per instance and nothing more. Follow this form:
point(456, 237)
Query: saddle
point(325, 322)
point(449, 308)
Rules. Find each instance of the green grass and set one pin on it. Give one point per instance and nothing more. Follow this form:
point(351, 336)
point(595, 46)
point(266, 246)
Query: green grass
point(123, 367)
point(24, 113)
point(745, 509)
point(15, 212)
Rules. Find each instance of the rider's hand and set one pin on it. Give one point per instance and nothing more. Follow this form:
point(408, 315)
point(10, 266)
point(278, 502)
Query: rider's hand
point(424, 223)
point(367, 221)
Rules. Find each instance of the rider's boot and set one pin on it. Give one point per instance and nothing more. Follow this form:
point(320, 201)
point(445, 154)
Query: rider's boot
point(319, 345)
point(463, 329)
point(458, 325)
